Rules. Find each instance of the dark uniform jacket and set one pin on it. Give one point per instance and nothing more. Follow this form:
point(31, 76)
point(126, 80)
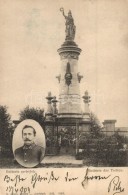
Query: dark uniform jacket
point(29, 156)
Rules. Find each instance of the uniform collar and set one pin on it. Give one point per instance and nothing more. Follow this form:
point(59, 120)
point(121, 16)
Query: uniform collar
point(26, 147)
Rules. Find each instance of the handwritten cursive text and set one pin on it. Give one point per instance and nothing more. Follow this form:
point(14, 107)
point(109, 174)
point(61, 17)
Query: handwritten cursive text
point(92, 177)
point(115, 185)
point(38, 178)
point(17, 179)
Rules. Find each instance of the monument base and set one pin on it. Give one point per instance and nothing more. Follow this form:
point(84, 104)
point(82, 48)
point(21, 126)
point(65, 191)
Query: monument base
point(69, 116)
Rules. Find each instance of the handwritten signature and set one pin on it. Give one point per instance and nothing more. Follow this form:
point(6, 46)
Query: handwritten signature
point(115, 185)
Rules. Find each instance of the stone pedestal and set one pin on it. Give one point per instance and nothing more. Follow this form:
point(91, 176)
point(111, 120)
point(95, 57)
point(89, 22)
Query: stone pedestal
point(69, 95)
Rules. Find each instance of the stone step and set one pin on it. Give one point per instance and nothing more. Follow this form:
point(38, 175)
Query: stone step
point(63, 159)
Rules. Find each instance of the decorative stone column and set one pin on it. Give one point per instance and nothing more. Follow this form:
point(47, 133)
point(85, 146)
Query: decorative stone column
point(54, 101)
point(86, 121)
point(49, 112)
point(86, 100)
point(69, 77)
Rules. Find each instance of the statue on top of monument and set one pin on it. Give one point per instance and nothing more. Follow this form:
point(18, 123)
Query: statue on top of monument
point(70, 27)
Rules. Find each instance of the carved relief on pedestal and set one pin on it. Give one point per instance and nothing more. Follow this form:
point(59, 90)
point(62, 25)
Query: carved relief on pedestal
point(74, 99)
point(68, 75)
point(69, 55)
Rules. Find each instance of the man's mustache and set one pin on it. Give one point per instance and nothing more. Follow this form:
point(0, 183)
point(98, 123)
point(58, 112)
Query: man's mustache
point(27, 139)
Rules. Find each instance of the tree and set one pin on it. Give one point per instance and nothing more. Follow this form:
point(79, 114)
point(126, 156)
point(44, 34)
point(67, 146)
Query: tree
point(36, 114)
point(5, 128)
point(95, 125)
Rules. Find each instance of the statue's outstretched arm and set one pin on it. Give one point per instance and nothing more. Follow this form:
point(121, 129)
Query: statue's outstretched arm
point(62, 10)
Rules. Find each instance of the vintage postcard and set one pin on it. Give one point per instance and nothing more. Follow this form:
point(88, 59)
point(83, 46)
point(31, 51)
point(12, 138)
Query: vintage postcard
point(63, 97)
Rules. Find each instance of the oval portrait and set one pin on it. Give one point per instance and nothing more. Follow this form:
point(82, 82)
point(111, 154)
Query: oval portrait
point(28, 143)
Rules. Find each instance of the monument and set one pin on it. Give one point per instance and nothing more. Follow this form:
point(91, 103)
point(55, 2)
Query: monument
point(65, 124)
point(69, 78)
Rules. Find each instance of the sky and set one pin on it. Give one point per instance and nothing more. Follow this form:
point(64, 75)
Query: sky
point(32, 31)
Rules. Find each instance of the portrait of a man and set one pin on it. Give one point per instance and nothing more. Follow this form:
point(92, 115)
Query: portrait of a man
point(30, 154)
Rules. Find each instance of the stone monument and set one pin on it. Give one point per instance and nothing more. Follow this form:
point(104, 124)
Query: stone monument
point(63, 125)
point(69, 78)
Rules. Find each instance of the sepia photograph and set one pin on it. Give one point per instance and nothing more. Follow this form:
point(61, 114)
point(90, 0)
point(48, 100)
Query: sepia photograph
point(29, 148)
point(64, 86)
